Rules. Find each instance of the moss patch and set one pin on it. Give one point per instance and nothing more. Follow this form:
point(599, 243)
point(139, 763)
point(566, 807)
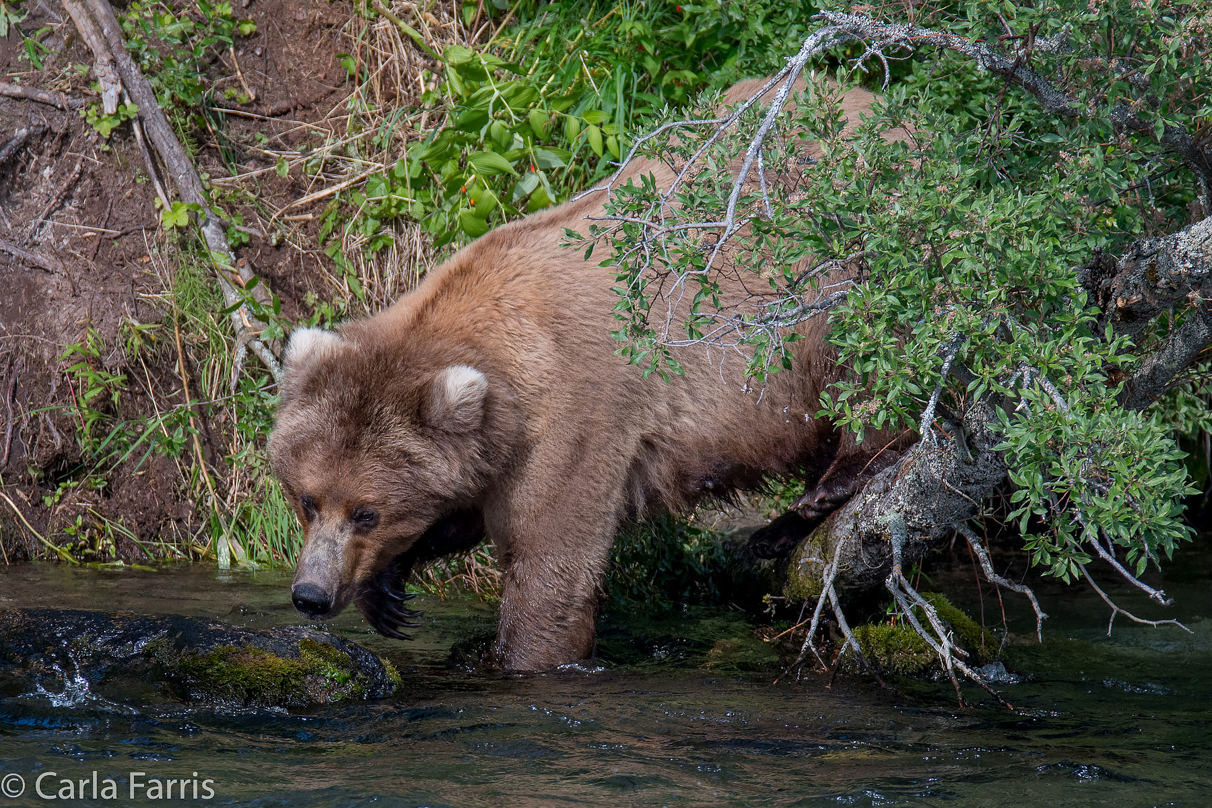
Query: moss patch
point(806, 566)
point(895, 648)
point(320, 674)
point(980, 645)
point(898, 649)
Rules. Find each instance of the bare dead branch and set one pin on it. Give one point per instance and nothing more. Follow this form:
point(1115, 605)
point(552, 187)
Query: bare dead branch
point(830, 573)
point(1115, 609)
point(1154, 594)
point(949, 351)
point(48, 97)
point(100, 29)
point(18, 140)
point(982, 553)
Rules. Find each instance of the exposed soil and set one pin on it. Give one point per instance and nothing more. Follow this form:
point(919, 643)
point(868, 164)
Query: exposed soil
point(81, 249)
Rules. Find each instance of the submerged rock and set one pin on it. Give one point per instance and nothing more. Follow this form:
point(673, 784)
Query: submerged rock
point(193, 659)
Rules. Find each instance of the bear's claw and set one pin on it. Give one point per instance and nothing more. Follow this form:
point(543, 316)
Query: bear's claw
point(388, 618)
point(381, 602)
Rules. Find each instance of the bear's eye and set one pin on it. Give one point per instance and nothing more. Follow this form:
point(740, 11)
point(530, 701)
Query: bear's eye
point(309, 507)
point(364, 518)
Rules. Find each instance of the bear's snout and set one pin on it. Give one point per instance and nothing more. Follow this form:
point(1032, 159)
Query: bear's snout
point(310, 599)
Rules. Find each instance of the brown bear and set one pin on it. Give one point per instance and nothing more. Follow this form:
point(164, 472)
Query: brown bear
point(490, 403)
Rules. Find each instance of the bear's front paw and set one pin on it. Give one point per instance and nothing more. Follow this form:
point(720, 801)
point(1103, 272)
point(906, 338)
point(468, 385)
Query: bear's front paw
point(827, 497)
point(382, 603)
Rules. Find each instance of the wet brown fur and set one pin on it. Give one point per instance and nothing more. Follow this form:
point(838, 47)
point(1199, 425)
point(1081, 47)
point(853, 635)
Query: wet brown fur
point(569, 440)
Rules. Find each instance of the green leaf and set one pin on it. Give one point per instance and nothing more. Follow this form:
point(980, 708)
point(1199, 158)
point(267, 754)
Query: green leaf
point(594, 116)
point(538, 123)
point(176, 216)
point(486, 203)
point(490, 163)
point(472, 224)
point(551, 158)
point(594, 135)
point(458, 55)
point(525, 187)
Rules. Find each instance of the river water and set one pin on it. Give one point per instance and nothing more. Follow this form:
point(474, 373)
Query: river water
point(680, 711)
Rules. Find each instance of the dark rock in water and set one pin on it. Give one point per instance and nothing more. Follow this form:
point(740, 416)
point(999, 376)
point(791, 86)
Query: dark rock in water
point(194, 659)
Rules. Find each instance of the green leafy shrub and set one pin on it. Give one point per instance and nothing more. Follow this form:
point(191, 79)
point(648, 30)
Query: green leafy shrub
point(173, 43)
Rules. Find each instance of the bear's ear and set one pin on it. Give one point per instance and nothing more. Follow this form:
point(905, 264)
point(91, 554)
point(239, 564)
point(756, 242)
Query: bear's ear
point(456, 400)
point(306, 345)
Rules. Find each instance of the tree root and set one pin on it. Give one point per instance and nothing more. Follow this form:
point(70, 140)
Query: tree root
point(10, 421)
point(33, 259)
point(55, 202)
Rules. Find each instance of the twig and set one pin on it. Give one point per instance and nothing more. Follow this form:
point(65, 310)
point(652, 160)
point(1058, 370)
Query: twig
point(252, 96)
point(15, 367)
point(826, 588)
point(840, 616)
point(329, 191)
point(18, 140)
point(903, 592)
point(1119, 610)
point(983, 554)
point(56, 202)
point(42, 262)
point(1156, 595)
point(41, 96)
point(58, 551)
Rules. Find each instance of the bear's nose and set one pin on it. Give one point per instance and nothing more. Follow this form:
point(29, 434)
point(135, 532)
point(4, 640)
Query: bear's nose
point(310, 599)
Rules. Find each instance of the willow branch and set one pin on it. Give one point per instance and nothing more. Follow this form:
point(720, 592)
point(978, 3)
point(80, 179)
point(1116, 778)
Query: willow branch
point(1015, 69)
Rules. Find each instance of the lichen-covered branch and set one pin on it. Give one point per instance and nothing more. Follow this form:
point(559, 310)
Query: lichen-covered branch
point(930, 490)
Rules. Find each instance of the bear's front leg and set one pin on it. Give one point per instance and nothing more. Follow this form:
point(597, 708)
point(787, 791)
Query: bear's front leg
point(549, 610)
point(554, 545)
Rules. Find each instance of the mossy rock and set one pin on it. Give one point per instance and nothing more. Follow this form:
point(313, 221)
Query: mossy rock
point(895, 648)
point(900, 650)
point(194, 659)
point(314, 673)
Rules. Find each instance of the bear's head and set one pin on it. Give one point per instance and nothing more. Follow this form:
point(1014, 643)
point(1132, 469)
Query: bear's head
point(372, 446)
